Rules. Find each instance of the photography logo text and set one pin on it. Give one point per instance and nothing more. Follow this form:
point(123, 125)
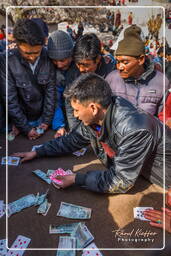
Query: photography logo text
point(135, 235)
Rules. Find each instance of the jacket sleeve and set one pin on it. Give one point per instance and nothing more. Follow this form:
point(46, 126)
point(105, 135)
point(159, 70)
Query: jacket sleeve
point(133, 152)
point(167, 108)
point(66, 144)
point(14, 110)
point(167, 87)
point(72, 121)
point(49, 97)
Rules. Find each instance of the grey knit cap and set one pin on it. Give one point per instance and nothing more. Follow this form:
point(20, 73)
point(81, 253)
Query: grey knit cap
point(60, 45)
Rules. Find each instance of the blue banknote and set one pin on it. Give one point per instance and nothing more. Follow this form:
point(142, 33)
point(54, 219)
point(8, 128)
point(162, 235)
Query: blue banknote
point(42, 175)
point(25, 202)
point(20, 204)
point(66, 242)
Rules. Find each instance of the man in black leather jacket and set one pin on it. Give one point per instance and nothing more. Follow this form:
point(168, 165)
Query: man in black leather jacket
point(30, 79)
point(127, 140)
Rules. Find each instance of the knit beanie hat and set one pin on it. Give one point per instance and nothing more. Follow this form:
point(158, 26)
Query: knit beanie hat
point(132, 44)
point(60, 45)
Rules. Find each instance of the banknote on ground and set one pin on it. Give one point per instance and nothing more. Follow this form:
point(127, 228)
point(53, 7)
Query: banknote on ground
point(73, 211)
point(66, 242)
point(83, 236)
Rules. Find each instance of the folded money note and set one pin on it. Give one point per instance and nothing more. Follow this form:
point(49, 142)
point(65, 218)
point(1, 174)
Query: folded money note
point(63, 229)
point(66, 242)
point(73, 211)
point(83, 235)
point(25, 202)
point(42, 175)
point(21, 204)
point(44, 208)
point(2, 208)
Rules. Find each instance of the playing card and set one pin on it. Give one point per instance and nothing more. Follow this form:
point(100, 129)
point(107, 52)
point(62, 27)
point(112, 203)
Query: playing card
point(11, 136)
point(80, 152)
point(40, 130)
point(139, 212)
point(60, 172)
point(3, 249)
point(20, 243)
point(11, 160)
point(35, 146)
point(91, 250)
point(2, 208)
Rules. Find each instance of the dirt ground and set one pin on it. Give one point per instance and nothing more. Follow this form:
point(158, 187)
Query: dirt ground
point(110, 213)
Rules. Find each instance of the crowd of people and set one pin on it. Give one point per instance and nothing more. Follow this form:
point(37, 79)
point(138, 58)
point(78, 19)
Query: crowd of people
point(115, 103)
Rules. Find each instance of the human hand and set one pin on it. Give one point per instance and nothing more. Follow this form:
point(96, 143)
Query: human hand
point(157, 218)
point(25, 156)
point(66, 181)
point(32, 134)
point(168, 122)
point(168, 197)
point(60, 132)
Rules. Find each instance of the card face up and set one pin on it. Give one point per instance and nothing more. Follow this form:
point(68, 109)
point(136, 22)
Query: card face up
point(139, 212)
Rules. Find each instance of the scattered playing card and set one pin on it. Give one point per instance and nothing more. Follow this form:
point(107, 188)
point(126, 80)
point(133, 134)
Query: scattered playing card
point(10, 160)
point(35, 146)
point(80, 152)
point(139, 212)
point(91, 250)
point(3, 249)
point(40, 130)
point(11, 136)
point(60, 172)
point(20, 243)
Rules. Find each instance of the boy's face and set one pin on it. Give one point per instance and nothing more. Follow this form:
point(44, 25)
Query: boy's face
point(87, 65)
point(63, 64)
point(28, 52)
point(85, 113)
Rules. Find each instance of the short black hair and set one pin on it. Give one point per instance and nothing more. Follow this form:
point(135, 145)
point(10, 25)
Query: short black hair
point(90, 87)
point(87, 47)
point(27, 31)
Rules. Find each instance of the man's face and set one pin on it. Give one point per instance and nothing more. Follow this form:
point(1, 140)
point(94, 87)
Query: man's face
point(87, 65)
point(84, 113)
point(28, 52)
point(129, 66)
point(62, 64)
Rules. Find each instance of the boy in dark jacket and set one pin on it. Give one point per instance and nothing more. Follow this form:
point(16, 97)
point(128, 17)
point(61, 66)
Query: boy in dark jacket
point(88, 57)
point(128, 141)
point(30, 80)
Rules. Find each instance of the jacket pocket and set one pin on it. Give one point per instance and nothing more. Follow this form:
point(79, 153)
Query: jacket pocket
point(43, 79)
point(25, 89)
